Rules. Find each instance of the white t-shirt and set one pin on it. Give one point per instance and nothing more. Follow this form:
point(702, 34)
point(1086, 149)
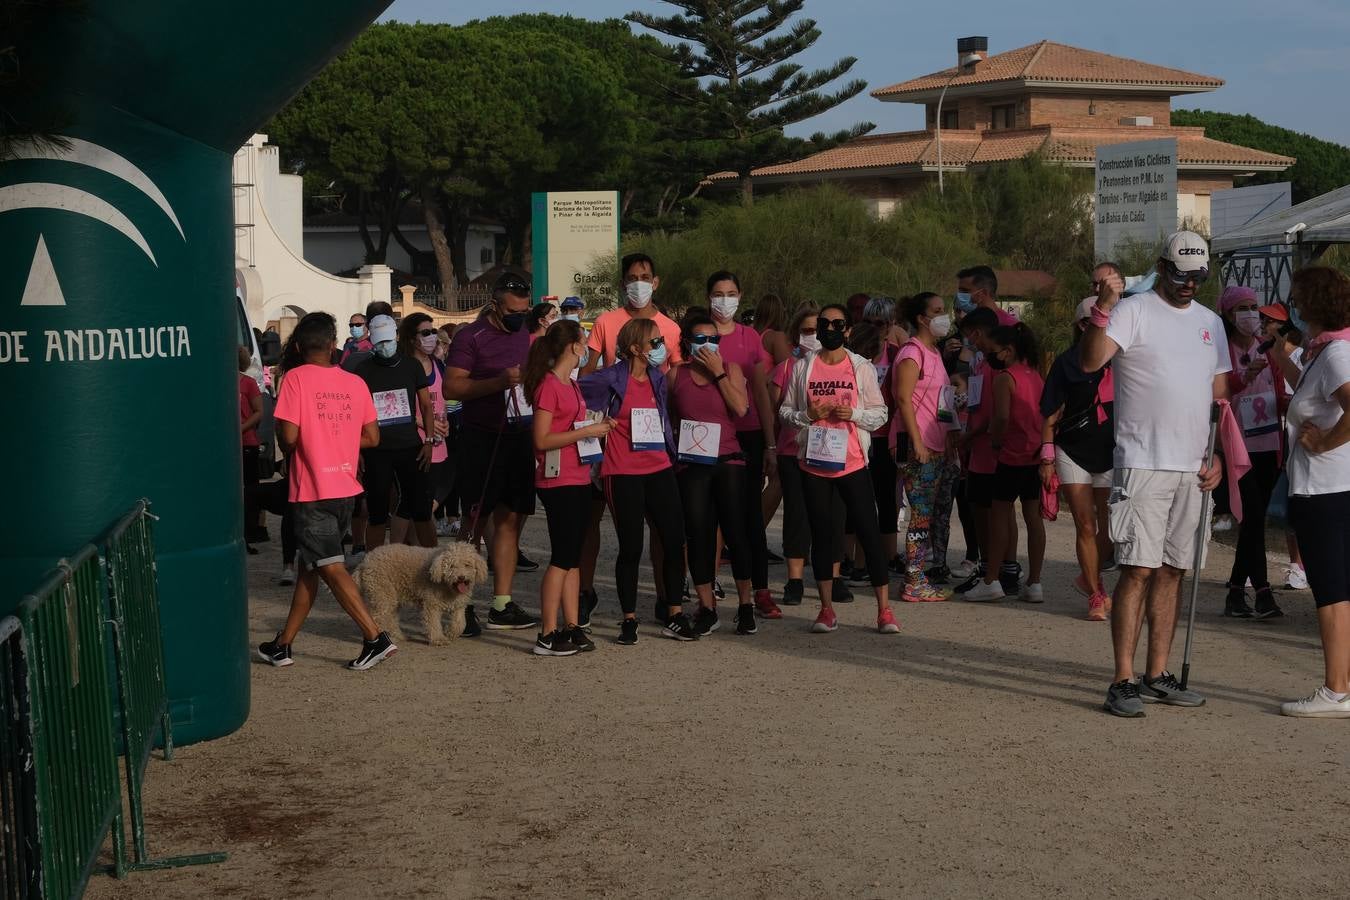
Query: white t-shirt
point(1313, 401)
point(1164, 377)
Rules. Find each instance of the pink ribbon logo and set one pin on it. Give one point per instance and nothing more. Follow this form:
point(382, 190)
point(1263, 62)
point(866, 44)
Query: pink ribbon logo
point(1260, 412)
point(697, 435)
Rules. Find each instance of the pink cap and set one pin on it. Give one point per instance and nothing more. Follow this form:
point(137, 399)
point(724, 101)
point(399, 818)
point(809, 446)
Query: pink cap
point(1235, 294)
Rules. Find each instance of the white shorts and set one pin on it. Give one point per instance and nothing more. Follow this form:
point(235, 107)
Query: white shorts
point(1154, 518)
point(1070, 472)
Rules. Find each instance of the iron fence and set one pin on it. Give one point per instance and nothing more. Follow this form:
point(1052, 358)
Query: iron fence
point(20, 867)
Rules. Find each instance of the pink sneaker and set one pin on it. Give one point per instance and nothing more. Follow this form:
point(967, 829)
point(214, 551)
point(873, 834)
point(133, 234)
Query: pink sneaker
point(923, 593)
point(826, 622)
point(886, 623)
point(1099, 607)
point(765, 607)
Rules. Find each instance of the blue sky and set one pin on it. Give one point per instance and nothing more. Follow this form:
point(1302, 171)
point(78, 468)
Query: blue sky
point(1285, 61)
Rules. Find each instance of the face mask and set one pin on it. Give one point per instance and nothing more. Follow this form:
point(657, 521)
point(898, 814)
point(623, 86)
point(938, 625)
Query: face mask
point(724, 308)
point(386, 349)
point(571, 318)
point(1248, 321)
point(809, 342)
point(1297, 319)
point(657, 355)
point(358, 331)
point(639, 293)
point(1139, 284)
point(830, 339)
point(513, 322)
point(940, 325)
point(428, 343)
point(963, 302)
point(996, 362)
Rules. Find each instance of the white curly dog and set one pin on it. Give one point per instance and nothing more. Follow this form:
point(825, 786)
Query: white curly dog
point(439, 580)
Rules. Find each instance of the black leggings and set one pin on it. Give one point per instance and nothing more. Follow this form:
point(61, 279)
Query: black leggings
point(796, 527)
point(1255, 487)
point(752, 445)
point(250, 459)
point(386, 469)
point(827, 500)
point(568, 511)
point(885, 479)
point(633, 501)
point(713, 496)
point(967, 515)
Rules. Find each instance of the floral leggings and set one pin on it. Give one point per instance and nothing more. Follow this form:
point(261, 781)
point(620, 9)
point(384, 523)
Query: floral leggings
point(923, 485)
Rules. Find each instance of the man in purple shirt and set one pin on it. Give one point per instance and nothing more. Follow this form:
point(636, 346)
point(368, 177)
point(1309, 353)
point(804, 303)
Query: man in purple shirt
point(496, 455)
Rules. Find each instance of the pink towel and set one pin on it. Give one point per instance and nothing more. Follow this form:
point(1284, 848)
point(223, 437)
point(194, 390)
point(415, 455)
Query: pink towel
point(1050, 500)
point(1236, 461)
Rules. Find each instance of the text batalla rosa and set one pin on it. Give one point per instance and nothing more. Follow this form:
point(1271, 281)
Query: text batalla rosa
point(95, 344)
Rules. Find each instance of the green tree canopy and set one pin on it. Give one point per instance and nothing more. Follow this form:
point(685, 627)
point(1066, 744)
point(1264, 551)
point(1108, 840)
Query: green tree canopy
point(1322, 165)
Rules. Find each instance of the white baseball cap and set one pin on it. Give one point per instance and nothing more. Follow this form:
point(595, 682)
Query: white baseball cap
point(1085, 308)
point(1187, 251)
point(382, 328)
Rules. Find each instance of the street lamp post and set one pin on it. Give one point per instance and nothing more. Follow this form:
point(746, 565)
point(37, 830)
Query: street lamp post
point(967, 60)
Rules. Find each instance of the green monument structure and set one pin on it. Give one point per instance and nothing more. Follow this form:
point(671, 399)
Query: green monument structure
point(119, 323)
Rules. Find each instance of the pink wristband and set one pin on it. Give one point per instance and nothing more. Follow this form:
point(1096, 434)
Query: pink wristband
point(1100, 317)
point(1047, 452)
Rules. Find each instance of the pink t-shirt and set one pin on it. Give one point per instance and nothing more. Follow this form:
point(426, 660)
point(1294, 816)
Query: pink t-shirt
point(1256, 407)
point(703, 403)
point(620, 457)
point(605, 335)
point(330, 406)
point(836, 384)
point(925, 396)
point(983, 459)
point(565, 402)
point(744, 346)
point(787, 434)
point(248, 389)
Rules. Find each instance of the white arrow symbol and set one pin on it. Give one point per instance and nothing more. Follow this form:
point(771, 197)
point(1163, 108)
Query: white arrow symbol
point(42, 288)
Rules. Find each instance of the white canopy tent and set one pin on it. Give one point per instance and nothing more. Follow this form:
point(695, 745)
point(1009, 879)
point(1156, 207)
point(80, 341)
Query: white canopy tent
point(1320, 221)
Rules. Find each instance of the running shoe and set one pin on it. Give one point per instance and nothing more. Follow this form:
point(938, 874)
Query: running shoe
point(471, 626)
point(765, 606)
point(1321, 705)
point(512, 618)
point(1098, 607)
point(1166, 689)
point(587, 601)
point(706, 621)
point(628, 632)
point(274, 653)
point(975, 579)
point(582, 641)
point(886, 623)
point(1295, 578)
point(792, 593)
point(1031, 593)
point(986, 593)
point(923, 593)
point(745, 619)
point(679, 628)
point(718, 592)
point(1122, 699)
point(826, 621)
point(555, 644)
point(524, 563)
point(965, 569)
point(841, 593)
point(287, 576)
point(1266, 607)
point(373, 653)
point(1235, 604)
point(938, 575)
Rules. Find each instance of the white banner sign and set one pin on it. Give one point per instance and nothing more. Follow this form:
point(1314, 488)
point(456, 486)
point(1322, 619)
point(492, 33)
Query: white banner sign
point(1136, 194)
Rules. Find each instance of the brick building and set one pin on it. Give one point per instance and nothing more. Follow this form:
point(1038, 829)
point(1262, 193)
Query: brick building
point(1062, 101)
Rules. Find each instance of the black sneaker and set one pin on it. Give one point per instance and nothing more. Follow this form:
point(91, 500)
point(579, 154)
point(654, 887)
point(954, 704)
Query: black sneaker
point(1266, 607)
point(555, 644)
point(841, 592)
point(705, 621)
point(373, 653)
point(859, 576)
point(250, 550)
point(939, 575)
point(970, 583)
point(718, 592)
point(792, 593)
point(774, 557)
point(586, 604)
point(745, 619)
point(471, 626)
point(278, 655)
point(1235, 604)
point(513, 618)
point(679, 628)
point(628, 632)
point(524, 563)
point(1166, 689)
point(582, 641)
point(1010, 578)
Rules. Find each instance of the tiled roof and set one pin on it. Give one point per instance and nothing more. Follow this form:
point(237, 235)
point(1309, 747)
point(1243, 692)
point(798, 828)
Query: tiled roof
point(1193, 148)
point(1049, 61)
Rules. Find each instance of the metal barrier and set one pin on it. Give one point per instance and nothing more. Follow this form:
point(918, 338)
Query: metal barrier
point(20, 867)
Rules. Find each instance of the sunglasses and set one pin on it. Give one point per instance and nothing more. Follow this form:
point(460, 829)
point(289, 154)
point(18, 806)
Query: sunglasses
point(1178, 277)
point(657, 342)
point(699, 340)
point(835, 324)
point(517, 287)
point(426, 332)
point(355, 324)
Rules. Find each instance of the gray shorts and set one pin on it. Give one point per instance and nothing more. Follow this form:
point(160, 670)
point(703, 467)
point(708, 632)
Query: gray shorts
point(1154, 518)
point(319, 528)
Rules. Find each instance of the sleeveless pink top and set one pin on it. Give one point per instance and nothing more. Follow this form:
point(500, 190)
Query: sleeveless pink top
point(702, 403)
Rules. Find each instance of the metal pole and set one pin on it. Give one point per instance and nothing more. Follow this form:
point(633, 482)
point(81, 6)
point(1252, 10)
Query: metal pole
point(1201, 532)
point(938, 131)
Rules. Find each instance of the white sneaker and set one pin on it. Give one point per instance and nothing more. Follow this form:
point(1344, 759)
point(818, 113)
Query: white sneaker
point(964, 570)
point(1031, 593)
point(1221, 524)
point(443, 527)
point(1295, 578)
point(287, 576)
point(1318, 706)
point(985, 593)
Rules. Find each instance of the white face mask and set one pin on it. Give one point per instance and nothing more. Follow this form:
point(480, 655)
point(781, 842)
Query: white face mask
point(1248, 321)
point(724, 306)
point(940, 326)
point(639, 293)
point(571, 318)
point(428, 343)
point(809, 342)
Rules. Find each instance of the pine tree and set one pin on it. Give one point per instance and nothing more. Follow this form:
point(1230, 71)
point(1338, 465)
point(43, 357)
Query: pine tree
point(738, 55)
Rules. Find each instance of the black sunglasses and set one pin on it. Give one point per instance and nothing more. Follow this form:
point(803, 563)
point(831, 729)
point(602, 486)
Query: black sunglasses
point(354, 324)
point(1178, 277)
point(426, 332)
point(517, 287)
point(836, 324)
point(699, 340)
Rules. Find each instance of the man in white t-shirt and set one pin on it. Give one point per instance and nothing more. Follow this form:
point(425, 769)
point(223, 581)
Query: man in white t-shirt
point(1169, 355)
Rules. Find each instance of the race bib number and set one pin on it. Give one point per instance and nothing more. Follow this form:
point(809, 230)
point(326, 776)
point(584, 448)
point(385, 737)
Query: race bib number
point(975, 392)
point(699, 442)
point(827, 448)
point(392, 407)
point(588, 448)
point(1257, 413)
point(645, 429)
point(518, 409)
point(946, 410)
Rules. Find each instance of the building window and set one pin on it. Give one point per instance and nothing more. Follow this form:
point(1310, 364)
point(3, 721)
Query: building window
point(1003, 117)
point(485, 256)
point(951, 119)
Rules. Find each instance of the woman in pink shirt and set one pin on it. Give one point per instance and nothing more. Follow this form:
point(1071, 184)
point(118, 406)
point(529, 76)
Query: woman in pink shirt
point(1015, 433)
point(918, 435)
point(562, 478)
point(796, 530)
point(707, 396)
point(834, 401)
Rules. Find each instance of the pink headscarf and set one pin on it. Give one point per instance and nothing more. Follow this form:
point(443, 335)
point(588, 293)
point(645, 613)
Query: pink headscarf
point(1235, 294)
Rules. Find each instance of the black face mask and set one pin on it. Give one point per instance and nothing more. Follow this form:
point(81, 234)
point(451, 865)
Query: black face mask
point(513, 322)
point(996, 363)
point(830, 339)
